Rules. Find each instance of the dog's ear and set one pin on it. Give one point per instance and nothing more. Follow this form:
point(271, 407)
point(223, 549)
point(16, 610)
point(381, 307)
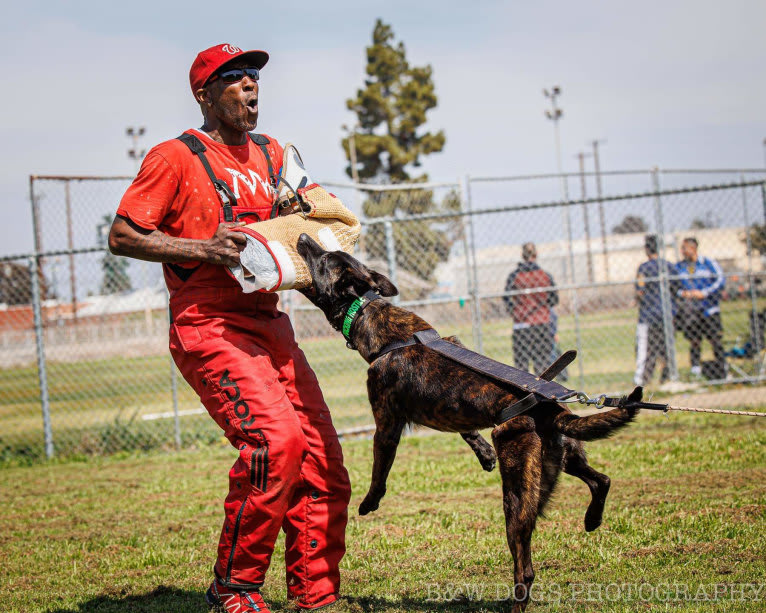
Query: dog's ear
point(358, 280)
point(382, 285)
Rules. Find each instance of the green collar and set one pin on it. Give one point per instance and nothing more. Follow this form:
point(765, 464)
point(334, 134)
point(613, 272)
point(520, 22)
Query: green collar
point(354, 310)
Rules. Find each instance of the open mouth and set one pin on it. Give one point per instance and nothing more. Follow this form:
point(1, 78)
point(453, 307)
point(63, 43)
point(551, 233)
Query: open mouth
point(252, 105)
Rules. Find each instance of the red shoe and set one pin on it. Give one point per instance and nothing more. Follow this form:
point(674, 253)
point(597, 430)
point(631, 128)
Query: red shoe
point(222, 599)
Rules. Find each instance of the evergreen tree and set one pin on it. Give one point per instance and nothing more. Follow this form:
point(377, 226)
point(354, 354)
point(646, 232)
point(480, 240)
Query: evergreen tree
point(758, 238)
point(631, 224)
point(390, 109)
point(115, 277)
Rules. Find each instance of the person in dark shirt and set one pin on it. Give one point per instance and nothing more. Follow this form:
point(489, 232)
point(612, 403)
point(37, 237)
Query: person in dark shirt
point(531, 311)
point(650, 333)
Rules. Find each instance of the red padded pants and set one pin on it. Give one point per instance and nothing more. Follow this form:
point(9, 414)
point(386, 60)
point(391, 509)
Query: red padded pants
point(239, 354)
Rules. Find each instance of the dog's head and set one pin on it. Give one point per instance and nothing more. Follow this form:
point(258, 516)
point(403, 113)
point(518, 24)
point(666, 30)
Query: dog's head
point(338, 278)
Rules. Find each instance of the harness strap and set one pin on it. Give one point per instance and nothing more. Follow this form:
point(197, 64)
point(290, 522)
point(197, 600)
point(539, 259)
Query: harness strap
point(262, 141)
point(517, 408)
point(530, 400)
point(225, 195)
point(393, 347)
point(504, 373)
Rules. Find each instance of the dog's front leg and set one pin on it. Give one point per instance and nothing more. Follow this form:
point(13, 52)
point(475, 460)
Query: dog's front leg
point(387, 434)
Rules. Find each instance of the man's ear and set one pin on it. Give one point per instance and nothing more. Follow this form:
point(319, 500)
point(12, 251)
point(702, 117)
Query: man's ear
point(382, 285)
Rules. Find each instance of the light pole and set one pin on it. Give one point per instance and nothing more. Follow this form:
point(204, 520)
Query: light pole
point(764, 151)
point(134, 153)
point(586, 218)
point(555, 114)
point(599, 195)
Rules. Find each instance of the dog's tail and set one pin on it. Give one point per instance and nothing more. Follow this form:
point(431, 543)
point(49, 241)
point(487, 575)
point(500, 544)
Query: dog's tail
point(600, 425)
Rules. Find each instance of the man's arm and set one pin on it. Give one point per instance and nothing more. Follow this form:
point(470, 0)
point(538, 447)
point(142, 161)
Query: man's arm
point(509, 286)
point(129, 239)
point(719, 278)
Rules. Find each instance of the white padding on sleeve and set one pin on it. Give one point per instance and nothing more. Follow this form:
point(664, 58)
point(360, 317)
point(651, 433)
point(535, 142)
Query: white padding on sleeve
point(328, 240)
point(257, 269)
point(285, 263)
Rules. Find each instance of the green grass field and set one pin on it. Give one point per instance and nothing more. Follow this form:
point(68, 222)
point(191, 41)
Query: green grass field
point(97, 406)
point(137, 532)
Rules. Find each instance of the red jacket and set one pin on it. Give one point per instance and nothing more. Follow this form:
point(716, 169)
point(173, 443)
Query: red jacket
point(534, 308)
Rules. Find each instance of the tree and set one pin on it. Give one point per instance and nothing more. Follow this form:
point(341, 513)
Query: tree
point(115, 271)
point(16, 284)
point(758, 238)
point(391, 108)
point(630, 224)
point(708, 221)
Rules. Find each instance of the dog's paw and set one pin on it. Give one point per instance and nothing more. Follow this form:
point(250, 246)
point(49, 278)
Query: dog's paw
point(368, 506)
point(488, 462)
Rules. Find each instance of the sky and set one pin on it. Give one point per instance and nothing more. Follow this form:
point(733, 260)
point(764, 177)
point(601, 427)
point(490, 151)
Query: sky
point(677, 83)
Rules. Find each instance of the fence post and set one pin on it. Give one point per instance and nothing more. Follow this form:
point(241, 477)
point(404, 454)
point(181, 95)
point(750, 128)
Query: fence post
point(174, 386)
point(391, 255)
point(667, 310)
point(755, 327)
point(42, 373)
point(575, 306)
point(478, 340)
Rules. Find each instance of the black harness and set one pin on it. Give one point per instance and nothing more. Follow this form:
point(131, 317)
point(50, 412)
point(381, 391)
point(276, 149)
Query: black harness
point(534, 389)
point(225, 195)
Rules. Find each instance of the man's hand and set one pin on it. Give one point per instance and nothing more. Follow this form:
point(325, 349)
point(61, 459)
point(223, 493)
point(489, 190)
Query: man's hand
point(694, 294)
point(224, 246)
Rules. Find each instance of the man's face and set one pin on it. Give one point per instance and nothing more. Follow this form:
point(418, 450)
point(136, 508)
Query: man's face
point(689, 251)
point(235, 104)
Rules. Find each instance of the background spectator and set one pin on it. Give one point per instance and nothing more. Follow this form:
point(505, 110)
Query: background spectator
point(702, 281)
point(650, 333)
point(531, 312)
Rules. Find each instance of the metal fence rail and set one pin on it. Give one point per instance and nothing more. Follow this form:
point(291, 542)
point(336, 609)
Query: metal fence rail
point(84, 366)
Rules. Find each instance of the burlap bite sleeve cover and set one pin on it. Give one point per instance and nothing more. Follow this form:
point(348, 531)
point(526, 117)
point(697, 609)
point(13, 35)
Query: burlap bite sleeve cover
point(328, 222)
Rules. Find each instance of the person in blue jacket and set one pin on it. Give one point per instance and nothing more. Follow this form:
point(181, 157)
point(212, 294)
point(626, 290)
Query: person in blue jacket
point(702, 281)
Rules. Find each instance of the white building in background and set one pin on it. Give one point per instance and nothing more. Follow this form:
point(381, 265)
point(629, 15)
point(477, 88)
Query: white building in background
point(624, 253)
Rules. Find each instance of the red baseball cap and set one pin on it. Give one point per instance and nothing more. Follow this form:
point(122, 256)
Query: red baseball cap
point(210, 60)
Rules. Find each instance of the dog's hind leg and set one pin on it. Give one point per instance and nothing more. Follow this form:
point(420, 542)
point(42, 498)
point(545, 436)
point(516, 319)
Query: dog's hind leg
point(481, 448)
point(519, 454)
point(576, 464)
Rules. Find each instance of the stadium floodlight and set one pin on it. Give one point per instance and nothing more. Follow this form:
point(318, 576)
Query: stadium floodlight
point(134, 153)
point(555, 114)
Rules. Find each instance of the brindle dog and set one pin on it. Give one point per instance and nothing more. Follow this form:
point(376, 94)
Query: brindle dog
point(417, 385)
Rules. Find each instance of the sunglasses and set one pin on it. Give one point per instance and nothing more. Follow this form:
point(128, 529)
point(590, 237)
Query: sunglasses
point(234, 75)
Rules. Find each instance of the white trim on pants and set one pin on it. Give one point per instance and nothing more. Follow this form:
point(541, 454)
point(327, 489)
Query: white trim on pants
point(642, 349)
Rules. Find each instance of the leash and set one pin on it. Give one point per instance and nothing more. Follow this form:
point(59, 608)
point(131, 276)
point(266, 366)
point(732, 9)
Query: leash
point(603, 401)
point(532, 388)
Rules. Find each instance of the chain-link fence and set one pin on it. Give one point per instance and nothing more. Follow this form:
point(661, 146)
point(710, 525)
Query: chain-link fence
point(84, 363)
